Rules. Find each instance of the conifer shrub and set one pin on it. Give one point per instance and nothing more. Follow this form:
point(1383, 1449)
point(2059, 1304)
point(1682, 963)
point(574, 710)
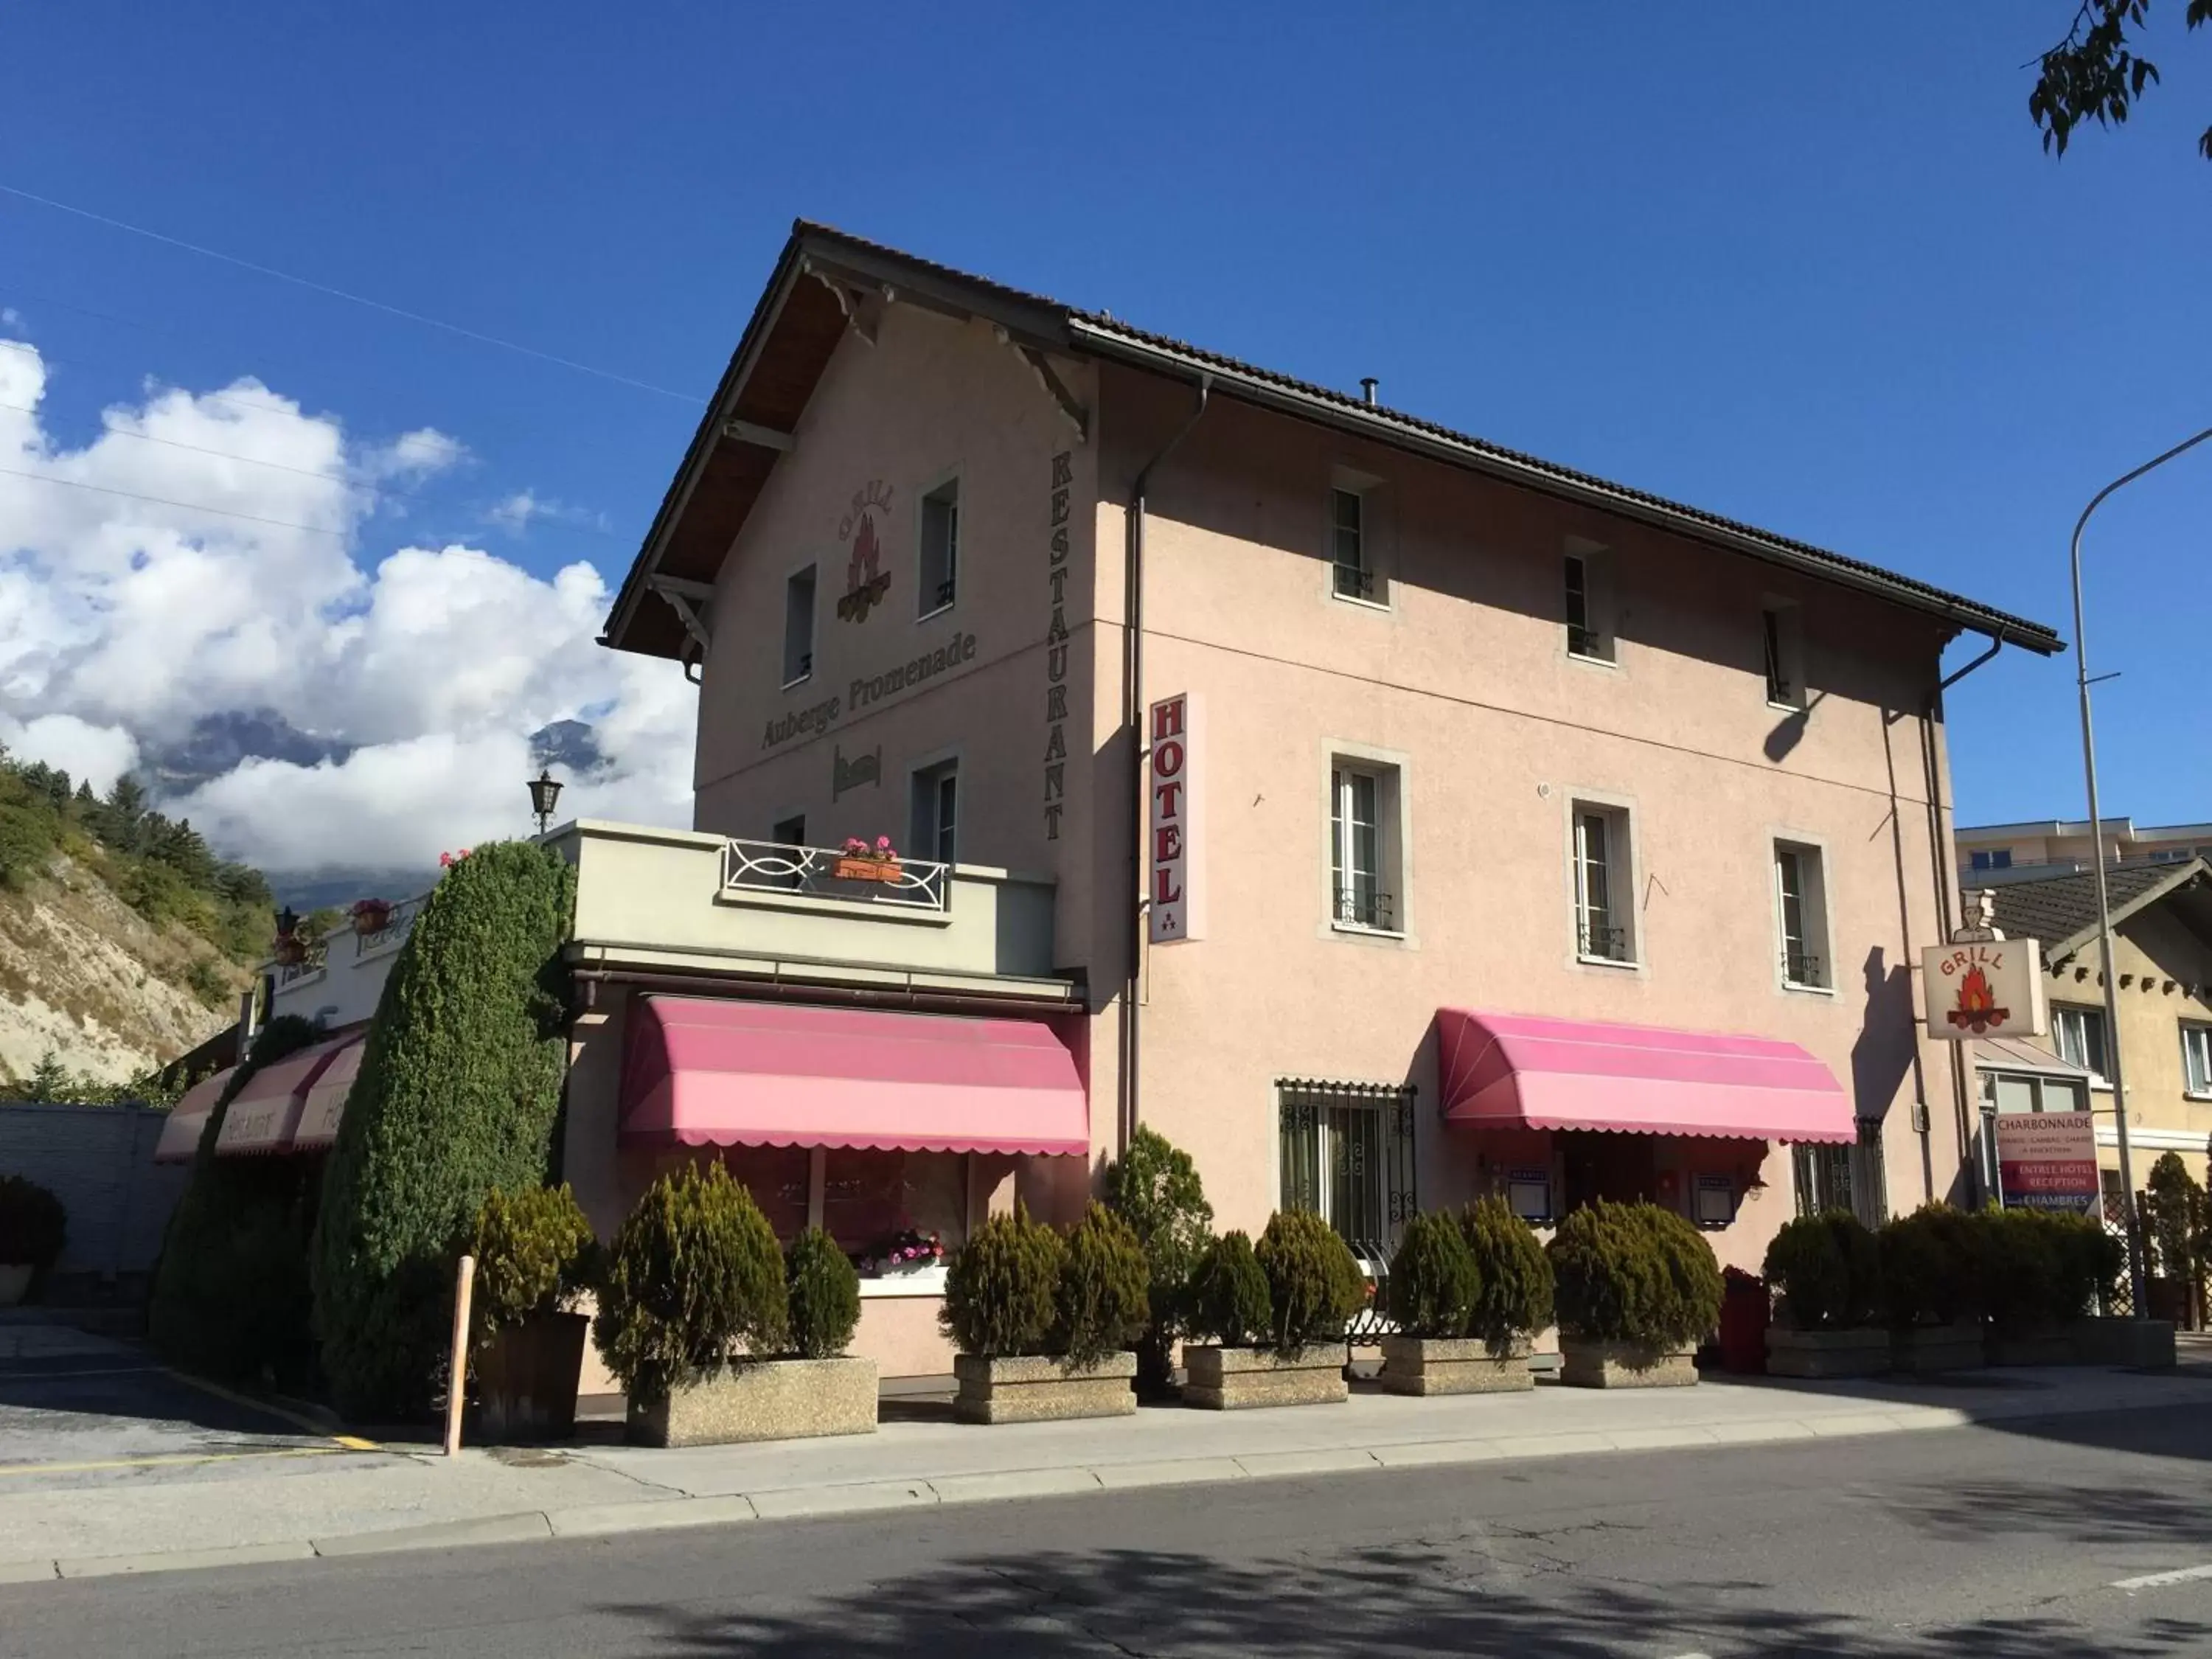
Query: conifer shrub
point(1002, 1288)
point(1103, 1282)
point(1228, 1302)
point(230, 1298)
point(534, 1252)
point(823, 1291)
point(1932, 1269)
point(1514, 1292)
point(1634, 1273)
point(458, 1095)
point(1434, 1281)
point(1314, 1281)
point(1155, 1188)
point(1828, 1268)
point(2090, 1263)
point(32, 1224)
point(693, 1276)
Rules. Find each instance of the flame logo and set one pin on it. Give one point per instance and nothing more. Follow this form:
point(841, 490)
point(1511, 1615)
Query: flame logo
point(1976, 1009)
point(865, 581)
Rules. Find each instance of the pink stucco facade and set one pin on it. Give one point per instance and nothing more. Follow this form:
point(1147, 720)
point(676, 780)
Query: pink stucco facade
point(1453, 680)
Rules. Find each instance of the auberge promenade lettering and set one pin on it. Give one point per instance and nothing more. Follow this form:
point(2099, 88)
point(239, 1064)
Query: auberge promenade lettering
point(870, 689)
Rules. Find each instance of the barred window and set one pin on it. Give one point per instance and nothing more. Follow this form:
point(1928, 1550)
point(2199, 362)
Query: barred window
point(1347, 1155)
point(1829, 1177)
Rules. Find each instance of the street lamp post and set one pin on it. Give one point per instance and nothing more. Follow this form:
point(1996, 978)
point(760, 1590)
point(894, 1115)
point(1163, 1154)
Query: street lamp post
point(2104, 899)
point(545, 795)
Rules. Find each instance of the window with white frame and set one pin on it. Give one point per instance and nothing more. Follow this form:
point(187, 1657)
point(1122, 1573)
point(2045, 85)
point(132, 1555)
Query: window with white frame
point(936, 811)
point(1352, 574)
point(1996, 858)
point(1346, 1155)
point(1363, 843)
point(2196, 1060)
point(1604, 883)
point(1588, 608)
point(1781, 632)
point(1800, 902)
point(798, 626)
point(940, 548)
point(2079, 1035)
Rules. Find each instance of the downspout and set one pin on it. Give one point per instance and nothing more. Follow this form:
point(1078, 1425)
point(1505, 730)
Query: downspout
point(1943, 856)
point(1133, 716)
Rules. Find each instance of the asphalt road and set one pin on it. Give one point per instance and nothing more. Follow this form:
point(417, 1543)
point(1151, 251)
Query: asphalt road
point(1988, 1542)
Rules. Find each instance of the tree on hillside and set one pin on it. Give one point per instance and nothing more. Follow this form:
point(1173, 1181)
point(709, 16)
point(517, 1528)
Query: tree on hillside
point(459, 1090)
point(2096, 74)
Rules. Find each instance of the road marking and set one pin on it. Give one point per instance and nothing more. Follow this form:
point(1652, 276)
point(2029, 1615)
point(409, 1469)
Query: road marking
point(48, 1376)
point(177, 1458)
point(351, 1443)
point(2156, 1580)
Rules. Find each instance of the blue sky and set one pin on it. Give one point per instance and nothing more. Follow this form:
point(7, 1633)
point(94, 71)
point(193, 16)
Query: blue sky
point(1808, 268)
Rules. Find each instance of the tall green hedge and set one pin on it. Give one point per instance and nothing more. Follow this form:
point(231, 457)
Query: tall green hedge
point(230, 1293)
point(458, 1092)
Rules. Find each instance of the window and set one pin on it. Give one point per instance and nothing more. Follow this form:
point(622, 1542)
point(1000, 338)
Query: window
point(1998, 858)
point(1589, 632)
point(1603, 879)
point(869, 1197)
point(1851, 1178)
point(940, 548)
point(1352, 577)
point(777, 1178)
point(798, 626)
point(2197, 1059)
point(790, 832)
point(2081, 1037)
point(1801, 909)
point(1347, 1156)
point(1786, 673)
point(1363, 844)
point(936, 811)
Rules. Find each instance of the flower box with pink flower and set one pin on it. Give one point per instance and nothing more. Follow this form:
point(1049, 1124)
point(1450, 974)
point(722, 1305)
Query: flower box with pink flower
point(862, 860)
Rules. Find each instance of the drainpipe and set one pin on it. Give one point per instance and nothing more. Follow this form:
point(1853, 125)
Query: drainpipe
point(1133, 715)
point(1944, 858)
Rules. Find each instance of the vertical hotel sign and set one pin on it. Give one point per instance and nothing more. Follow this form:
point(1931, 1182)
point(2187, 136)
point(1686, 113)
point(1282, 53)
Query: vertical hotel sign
point(1178, 896)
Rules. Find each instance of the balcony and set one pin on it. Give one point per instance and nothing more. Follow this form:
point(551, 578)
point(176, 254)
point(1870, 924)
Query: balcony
point(676, 903)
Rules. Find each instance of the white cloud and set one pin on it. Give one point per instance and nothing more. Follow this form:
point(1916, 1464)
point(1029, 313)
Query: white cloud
point(124, 620)
point(517, 512)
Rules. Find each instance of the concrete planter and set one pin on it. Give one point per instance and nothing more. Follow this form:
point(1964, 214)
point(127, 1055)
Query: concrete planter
point(1925, 1348)
point(14, 1282)
point(1043, 1389)
point(1235, 1379)
point(1423, 1366)
point(1586, 1362)
point(1860, 1350)
point(763, 1400)
point(2144, 1344)
point(2048, 1344)
point(526, 1378)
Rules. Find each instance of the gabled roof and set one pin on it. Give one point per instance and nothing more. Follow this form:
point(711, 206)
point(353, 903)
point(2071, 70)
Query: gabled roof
point(799, 319)
point(2061, 911)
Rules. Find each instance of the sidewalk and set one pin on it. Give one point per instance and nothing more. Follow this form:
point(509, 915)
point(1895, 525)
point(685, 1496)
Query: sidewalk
point(308, 1498)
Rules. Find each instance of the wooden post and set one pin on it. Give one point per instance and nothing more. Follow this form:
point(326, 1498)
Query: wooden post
point(457, 1377)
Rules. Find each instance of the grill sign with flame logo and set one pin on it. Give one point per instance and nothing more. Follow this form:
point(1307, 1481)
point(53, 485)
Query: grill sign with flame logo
point(866, 580)
point(1977, 1009)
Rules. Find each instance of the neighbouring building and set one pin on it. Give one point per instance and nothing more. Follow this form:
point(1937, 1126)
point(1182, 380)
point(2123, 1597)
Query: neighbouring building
point(1384, 816)
point(1990, 854)
point(2162, 937)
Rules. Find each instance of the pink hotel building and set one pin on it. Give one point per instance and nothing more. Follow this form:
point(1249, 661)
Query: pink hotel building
point(1383, 816)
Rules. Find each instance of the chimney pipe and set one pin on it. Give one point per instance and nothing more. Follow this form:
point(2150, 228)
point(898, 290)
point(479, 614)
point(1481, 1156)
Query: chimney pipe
point(1368, 386)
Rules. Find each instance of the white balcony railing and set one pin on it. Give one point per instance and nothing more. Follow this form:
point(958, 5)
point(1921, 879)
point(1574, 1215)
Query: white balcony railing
point(767, 867)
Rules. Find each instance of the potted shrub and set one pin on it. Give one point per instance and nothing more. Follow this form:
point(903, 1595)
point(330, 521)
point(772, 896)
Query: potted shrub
point(859, 860)
point(534, 1251)
point(1430, 1296)
point(1932, 1292)
point(1639, 1290)
point(696, 1320)
point(1155, 1188)
point(1513, 1295)
point(1039, 1322)
point(1828, 1268)
point(1313, 1286)
point(2091, 1262)
point(33, 1227)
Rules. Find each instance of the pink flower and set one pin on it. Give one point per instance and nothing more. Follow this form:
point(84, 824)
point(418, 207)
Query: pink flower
point(883, 843)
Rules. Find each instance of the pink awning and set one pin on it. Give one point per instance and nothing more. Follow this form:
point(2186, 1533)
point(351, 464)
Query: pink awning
point(1521, 1070)
point(324, 1105)
point(262, 1116)
point(181, 1134)
point(703, 1072)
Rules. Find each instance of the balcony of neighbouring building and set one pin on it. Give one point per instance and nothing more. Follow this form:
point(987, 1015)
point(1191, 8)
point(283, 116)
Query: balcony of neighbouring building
point(670, 904)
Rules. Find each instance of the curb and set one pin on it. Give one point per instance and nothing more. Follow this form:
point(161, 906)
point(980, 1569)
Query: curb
point(860, 1497)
